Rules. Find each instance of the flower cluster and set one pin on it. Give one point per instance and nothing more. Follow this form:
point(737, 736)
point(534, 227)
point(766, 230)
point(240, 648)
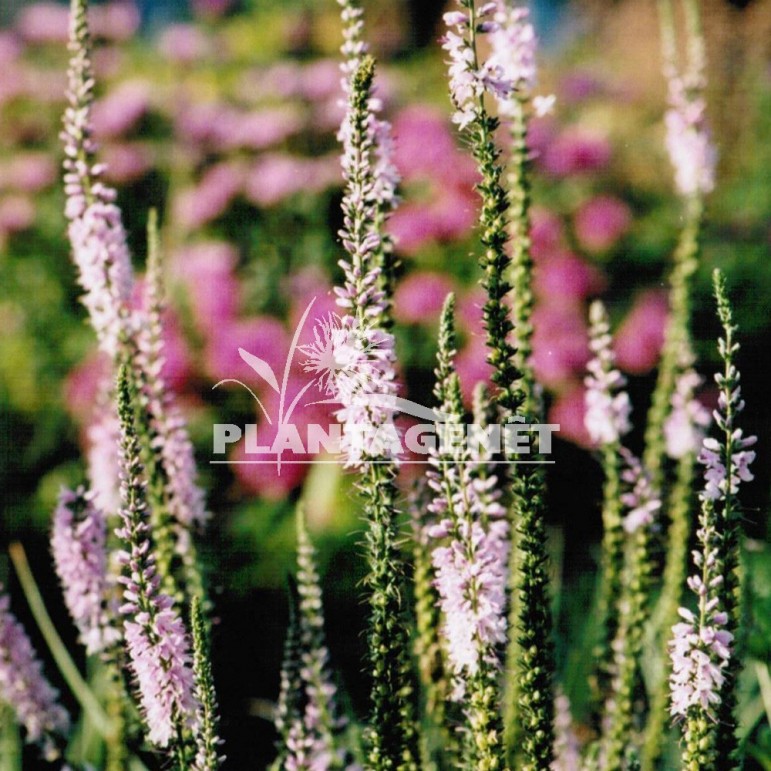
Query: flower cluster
point(156, 639)
point(700, 648)
point(738, 459)
point(470, 79)
point(471, 563)
point(688, 137)
point(607, 406)
point(367, 413)
point(24, 688)
point(78, 544)
point(95, 223)
point(685, 425)
point(641, 499)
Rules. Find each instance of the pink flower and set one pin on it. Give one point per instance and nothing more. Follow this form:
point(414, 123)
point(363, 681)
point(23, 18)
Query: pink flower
point(640, 336)
point(29, 172)
point(78, 544)
point(419, 297)
point(425, 148)
point(472, 366)
point(84, 383)
point(578, 86)
point(569, 411)
point(184, 43)
point(207, 269)
point(600, 222)
point(114, 21)
point(17, 213)
point(120, 111)
point(560, 344)
point(263, 336)
point(547, 234)
point(277, 176)
point(607, 404)
point(43, 22)
point(24, 688)
point(576, 151)
point(563, 277)
point(211, 197)
point(260, 129)
point(10, 47)
point(127, 162)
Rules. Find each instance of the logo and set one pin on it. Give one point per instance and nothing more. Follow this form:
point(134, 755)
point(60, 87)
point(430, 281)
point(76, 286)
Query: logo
point(348, 370)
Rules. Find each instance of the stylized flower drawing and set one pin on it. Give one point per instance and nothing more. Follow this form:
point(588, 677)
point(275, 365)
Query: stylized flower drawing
point(341, 357)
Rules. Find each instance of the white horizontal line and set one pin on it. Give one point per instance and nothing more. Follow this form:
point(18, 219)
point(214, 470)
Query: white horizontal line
point(400, 463)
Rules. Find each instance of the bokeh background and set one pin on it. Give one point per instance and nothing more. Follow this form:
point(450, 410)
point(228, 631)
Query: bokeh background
point(222, 115)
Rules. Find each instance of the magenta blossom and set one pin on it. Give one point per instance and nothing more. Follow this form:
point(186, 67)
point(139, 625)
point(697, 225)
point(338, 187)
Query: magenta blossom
point(600, 222)
point(43, 22)
point(419, 297)
point(184, 43)
point(640, 336)
point(560, 344)
point(576, 151)
point(211, 197)
point(114, 21)
point(563, 277)
point(569, 411)
point(120, 111)
point(29, 172)
point(547, 233)
point(207, 270)
point(127, 162)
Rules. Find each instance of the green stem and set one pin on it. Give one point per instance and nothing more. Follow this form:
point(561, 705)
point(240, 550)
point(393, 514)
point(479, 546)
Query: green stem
point(64, 662)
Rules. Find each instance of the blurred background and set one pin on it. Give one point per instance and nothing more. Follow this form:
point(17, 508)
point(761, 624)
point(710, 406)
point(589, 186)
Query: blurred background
point(222, 114)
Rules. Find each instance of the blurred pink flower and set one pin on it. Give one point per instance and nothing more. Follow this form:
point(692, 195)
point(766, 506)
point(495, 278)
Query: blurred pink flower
point(470, 316)
point(184, 43)
point(568, 409)
point(547, 234)
point(263, 336)
point(418, 299)
point(576, 151)
point(44, 23)
point(425, 147)
point(17, 212)
point(207, 271)
point(563, 277)
point(259, 129)
point(319, 80)
point(83, 385)
point(640, 336)
point(211, 197)
point(116, 21)
point(578, 86)
point(120, 111)
point(126, 162)
point(109, 62)
point(540, 134)
point(472, 367)
point(264, 479)
point(600, 222)
point(277, 176)
point(449, 215)
point(29, 172)
point(560, 344)
point(10, 47)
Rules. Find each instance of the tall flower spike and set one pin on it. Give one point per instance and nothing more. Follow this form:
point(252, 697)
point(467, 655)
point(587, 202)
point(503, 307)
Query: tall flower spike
point(95, 228)
point(78, 544)
point(207, 756)
point(385, 175)
point(156, 640)
point(693, 158)
point(470, 564)
point(688, 138)
point(607, 421)
point(177, 502)
point(642, 506)
point(701, 650)
point(726, 467)
point(367, 415)
point(24, 688)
